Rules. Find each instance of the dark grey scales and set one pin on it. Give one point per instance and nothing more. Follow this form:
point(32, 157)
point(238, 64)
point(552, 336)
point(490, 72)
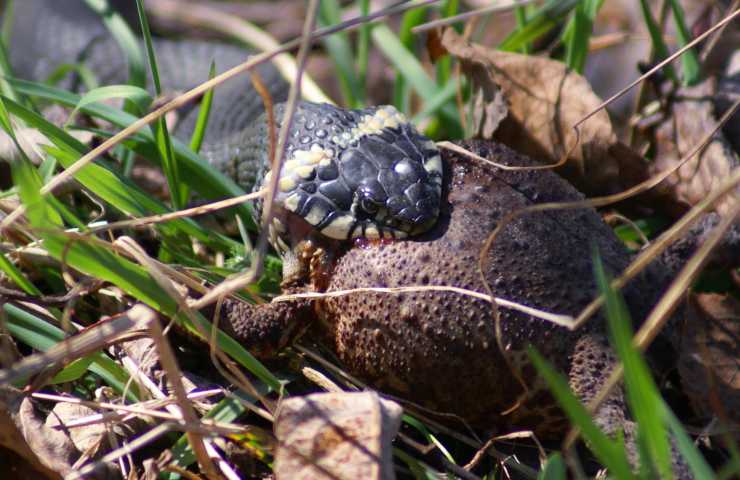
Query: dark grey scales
point(73, 33)
point(438, 349)
point(348, 173)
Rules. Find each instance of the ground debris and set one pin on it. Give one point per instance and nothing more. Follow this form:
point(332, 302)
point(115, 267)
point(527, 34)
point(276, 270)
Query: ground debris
point(544, 100)
point(690, 115)
point(336, 435)
point(709, 364)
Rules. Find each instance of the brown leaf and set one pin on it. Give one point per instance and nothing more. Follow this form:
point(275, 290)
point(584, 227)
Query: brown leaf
point(434, 46)
point(691, 115)
point(545, 100)
point(336, 435)
point(88, 439)
point(48, 452)
point(709, 362)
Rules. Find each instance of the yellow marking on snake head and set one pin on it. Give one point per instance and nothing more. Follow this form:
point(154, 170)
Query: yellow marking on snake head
point(433, 165)
point(305, 171)
point(291, 202)
point(287, 184)
point(291, 165)
point(339, 227)
point(390, 122)
point(315, 215)
point(372, 232)
point(301, 156)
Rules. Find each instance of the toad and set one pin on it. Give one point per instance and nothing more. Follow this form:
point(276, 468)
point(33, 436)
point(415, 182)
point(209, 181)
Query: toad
point(440, 349)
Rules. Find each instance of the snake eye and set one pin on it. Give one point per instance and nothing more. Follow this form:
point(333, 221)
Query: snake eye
point(369, 205)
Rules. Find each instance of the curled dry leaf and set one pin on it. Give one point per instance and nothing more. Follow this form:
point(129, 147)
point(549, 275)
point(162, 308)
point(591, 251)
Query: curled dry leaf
point(47, 452)
point(709, 364)
point(545, 100)
point(336, 435)
point(691, 115)
point(88, 439)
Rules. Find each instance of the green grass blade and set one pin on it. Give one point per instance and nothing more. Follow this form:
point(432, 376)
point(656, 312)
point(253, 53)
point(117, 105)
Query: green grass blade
point(544, 19)
point(39, 211)
point(41, 335)
point(117, 190)
point(17, 276)
point(92, 257)
point(520, 15)
point(444, 64)
point(643, 397)
point(74, 370)
point(609, 452)
point(698, 466)
point(146, 33)
point(6, 25)
point(200, 176)
point(128, 198)
point(47, 211)
point(656, 37)
point(177, 189)
point(431, 438)
point(577, 34)
point(178, 192)
point(433, 104)
point(196, 140)
point(401, 89)
point(87, 76)
point(339, 49)
point(363, 44)
point(136, 95)
point(414, 73)
point(127, 41)
point(554, 469)
point(5, 70)
point(689, 60)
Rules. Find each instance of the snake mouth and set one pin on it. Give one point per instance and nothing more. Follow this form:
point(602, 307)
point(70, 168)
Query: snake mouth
point(359, 173)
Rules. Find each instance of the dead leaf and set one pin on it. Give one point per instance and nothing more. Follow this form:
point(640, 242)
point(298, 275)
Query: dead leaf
point(336, 435)
point(709, 362)
point(728, 92)
point(544, 101)
point(434, 46)
point(89, 439)
point(691, 115)
point(48, 452)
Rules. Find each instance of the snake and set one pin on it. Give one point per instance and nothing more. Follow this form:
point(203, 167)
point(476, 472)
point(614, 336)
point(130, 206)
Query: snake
point(364, 173)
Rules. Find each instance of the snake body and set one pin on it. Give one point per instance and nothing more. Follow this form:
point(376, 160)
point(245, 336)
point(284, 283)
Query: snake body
point(347, 173)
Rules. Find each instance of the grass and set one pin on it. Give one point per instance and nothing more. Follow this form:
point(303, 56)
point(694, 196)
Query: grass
point(59, 224)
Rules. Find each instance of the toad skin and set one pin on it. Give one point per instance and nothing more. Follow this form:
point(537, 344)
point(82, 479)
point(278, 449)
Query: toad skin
point(440, 349)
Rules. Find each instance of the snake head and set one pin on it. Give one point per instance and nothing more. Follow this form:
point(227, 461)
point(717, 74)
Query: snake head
point(360, 173)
